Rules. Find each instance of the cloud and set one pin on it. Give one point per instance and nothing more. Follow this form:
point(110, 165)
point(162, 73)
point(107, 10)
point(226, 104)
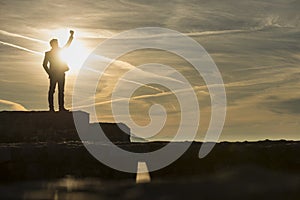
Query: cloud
point(21, 36)
point(126, 66)
point(197, 89)
point(21, 48)
point(9, 105)
point(290, 106)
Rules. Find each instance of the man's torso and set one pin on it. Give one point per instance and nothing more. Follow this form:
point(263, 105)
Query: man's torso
point(57, 65)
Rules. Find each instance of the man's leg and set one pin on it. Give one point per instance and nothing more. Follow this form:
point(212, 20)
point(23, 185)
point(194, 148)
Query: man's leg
point(51, 93)
point(61, 95)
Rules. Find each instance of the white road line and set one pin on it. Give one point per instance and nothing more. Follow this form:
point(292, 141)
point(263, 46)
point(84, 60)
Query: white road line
point(142, 175)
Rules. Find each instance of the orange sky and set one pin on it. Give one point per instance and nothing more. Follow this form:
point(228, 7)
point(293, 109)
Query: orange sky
point(257, 53)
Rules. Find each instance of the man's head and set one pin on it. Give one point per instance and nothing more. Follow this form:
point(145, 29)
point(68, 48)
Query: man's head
point(54, 43)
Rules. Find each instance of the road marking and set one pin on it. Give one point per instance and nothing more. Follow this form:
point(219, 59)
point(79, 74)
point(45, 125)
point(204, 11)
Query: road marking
point(142, 175)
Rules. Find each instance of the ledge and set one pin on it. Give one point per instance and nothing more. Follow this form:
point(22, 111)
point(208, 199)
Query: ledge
point(43, 126)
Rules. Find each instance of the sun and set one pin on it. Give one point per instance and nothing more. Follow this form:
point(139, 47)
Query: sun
point(76, 53)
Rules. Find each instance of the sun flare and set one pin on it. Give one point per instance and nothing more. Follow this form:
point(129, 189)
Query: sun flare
point(76, 53)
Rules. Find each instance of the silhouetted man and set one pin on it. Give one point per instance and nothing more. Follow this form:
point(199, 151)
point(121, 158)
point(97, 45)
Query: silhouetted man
point(56, 72)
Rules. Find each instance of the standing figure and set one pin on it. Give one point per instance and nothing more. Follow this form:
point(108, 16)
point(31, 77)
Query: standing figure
point(56, 71)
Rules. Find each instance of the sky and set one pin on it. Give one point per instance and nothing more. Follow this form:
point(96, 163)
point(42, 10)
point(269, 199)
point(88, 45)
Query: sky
point(255, 45)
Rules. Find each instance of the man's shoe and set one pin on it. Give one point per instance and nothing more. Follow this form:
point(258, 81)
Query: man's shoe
point(63, 110)
point(51, 110)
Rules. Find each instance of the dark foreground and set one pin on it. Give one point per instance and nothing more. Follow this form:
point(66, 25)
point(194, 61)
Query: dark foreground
point(265, 170)
point(248, 183)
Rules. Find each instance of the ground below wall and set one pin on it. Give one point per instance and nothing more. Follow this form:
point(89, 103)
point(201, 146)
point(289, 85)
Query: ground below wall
point(55, 160)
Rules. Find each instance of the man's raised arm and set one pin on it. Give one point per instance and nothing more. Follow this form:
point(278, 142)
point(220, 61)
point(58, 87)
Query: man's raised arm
point(69, 40)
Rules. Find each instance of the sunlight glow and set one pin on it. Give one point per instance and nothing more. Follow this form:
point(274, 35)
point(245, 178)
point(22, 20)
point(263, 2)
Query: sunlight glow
point(76, 54)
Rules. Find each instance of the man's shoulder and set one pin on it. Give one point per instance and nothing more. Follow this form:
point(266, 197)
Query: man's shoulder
point(48, 53)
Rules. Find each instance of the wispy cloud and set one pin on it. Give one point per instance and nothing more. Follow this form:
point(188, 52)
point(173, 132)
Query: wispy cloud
point(21, 48)
point(197, 89)
point(21, 36)
point(9, 105)
point(126, 66)
point(141, 84)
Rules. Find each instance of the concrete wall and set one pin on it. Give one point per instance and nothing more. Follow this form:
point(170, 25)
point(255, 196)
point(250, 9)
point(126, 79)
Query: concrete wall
point(34, 126)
